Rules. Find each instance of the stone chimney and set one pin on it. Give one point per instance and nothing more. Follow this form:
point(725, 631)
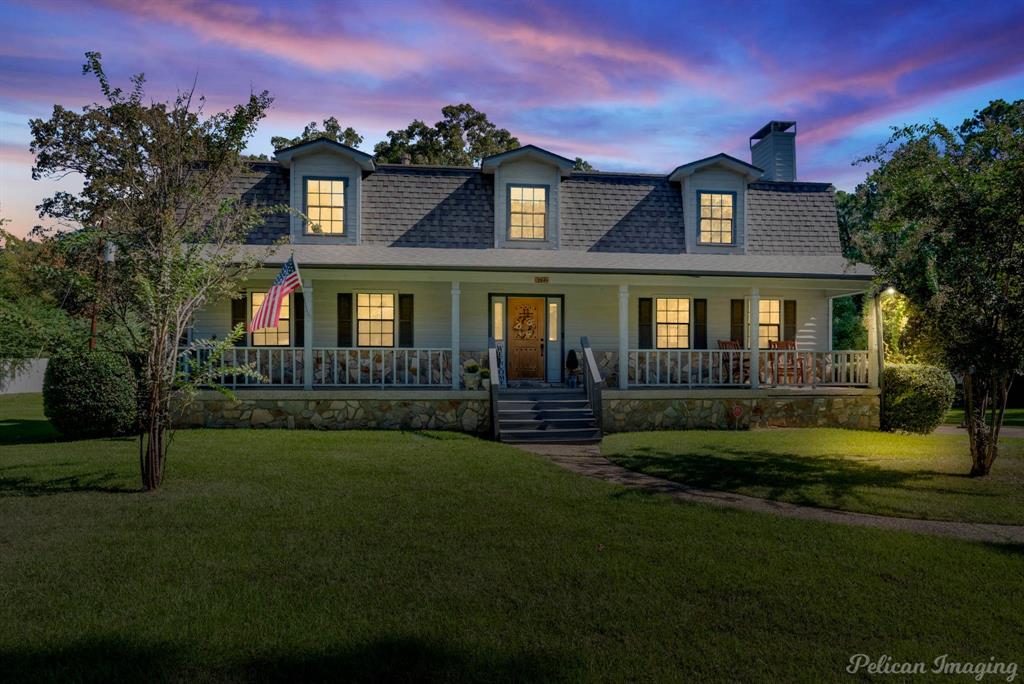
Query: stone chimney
point(406, 158)
point(773, 148)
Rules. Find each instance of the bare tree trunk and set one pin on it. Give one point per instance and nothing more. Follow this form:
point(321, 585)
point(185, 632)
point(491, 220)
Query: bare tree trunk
point(984, 405)
point(155, 421)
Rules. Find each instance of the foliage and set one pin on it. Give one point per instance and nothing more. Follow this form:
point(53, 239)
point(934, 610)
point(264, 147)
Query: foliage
point(915, 397)
point(332, 131)
point(848, 330)
point(155, 179)
point(462, 137)
point(89, 393)
point(945, 226)
point(581, 164)
point(485, 373)
point(472, 367)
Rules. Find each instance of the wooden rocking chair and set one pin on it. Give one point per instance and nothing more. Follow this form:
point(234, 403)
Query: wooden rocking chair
point(785, 369)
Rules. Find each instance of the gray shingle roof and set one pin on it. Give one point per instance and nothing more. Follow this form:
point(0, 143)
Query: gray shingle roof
point(792, 218)
point(433, 209)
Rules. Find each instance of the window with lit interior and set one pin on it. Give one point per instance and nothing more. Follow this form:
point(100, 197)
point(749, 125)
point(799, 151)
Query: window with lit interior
point(375, 319)
point(271, 337)
point(325, 206)
point(769, 318)
point(672, 318)
point(528, 212)
point(716, 218)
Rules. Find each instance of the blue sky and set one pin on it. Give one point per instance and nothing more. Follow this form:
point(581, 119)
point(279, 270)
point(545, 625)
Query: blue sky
point(641, 85)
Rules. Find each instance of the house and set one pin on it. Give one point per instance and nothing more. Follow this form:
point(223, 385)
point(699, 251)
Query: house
point(697, 298)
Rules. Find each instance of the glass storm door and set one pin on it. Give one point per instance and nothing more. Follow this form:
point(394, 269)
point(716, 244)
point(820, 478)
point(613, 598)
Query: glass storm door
point(526, 338)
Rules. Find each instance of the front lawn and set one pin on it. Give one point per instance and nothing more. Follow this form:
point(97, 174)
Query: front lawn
point(360, 555)
point(920, 476)
point(1014, 417)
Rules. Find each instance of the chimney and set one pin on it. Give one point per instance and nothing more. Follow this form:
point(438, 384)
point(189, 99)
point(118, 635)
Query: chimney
point(773, 148)
point(406, 158)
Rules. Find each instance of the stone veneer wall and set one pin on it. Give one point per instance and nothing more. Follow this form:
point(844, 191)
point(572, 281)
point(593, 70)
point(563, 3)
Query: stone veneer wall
point(339, 410)
point(671, 410)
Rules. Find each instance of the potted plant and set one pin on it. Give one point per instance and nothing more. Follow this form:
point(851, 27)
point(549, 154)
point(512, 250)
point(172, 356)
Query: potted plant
point(572, 364)
point(471, 375)
point(485, 378)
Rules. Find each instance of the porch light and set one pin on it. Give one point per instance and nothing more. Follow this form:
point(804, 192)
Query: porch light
point(890, 290)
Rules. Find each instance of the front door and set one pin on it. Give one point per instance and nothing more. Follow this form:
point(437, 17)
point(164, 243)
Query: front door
point(526, 338)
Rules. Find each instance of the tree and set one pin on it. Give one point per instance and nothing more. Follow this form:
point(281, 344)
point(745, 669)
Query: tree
point(581, 164)
point(945, 229)
point(462, 137)
point(332, 131)
point(155, 179)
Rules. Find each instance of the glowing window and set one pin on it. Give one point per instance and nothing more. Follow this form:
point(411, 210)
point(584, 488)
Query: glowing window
point(499, 320)
point(375, 319)
point(716, 218)
point(271, 337)
point(769, 319)
point(528, 212)
point(673, 323)
point(325, 206)
point(552, 321)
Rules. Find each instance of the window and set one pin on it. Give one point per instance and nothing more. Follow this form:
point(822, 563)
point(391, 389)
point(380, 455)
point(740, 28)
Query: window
point(552, 321)
point(499, 320)
point(271, 337)
point(527, 213)
point(716, 218)
point(672, 323)
point(769, 319)
point(375, 319)
point(325, 206)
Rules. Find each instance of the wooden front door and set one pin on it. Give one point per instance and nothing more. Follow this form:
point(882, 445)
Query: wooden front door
point(525, 338)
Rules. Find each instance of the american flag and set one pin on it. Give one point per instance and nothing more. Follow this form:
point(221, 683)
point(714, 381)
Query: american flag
point(269, 313)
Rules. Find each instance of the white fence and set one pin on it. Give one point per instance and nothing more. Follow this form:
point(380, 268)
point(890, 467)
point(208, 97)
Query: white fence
point(731, 368)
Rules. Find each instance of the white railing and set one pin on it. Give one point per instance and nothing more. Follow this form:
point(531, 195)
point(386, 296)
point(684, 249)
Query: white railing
point(731, 368)
point(689, 367)
point(347, 366)
point(277, 366)
point(785, 367)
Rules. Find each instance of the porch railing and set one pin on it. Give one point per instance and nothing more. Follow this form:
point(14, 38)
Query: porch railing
point(731, 368)
point(348, 366)
point(278, 366)
point(593, 383)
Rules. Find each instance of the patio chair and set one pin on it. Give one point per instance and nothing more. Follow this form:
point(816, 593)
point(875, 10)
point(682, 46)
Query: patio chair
point(733, 366)
point(785, 369)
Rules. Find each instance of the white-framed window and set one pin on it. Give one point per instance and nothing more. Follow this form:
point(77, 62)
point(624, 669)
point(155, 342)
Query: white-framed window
point(672, 323)
point(769, 322)
point(527, 212)
point(498, 315)
point(324, 202)
point(375, 319)
point(271, 337)
point(717, 223)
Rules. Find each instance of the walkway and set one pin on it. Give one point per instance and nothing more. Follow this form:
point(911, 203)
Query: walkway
point(1011, 431)
point(587, 460)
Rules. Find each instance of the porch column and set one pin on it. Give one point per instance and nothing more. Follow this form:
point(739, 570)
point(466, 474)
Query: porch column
point(874, 342)
point(307, 336)
point(456, 315)
point(755, 338)
point(623, 336)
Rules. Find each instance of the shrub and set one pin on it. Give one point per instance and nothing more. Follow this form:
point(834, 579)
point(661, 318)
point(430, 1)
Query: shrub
point(472, 367)
point(88, 393)
point(915, 397)
point(485, 374)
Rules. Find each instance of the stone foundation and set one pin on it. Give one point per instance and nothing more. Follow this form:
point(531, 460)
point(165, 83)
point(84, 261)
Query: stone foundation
point(343, 410)
point(636, 410)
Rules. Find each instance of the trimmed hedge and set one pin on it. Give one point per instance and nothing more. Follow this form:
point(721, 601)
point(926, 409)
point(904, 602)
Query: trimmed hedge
point(88, 393)
point(915, 397)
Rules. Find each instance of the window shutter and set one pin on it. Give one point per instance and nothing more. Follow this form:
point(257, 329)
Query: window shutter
point(238, 316)
point(736, 320)
point(299, 318)
point(789, 319)
point(700, 324)
point(646, 330)
point(344, 319)
point(405, 328)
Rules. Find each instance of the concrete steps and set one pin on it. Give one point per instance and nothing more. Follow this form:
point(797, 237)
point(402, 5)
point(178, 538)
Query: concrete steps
point(546, 416)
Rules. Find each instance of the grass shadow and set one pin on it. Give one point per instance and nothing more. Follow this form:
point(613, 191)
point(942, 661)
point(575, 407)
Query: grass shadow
point(383, 659)
point(28, 431)
point(103, 483)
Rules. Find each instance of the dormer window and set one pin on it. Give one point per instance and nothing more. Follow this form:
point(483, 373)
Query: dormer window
point(717, 223)
point(324, 200)
point(527, 212)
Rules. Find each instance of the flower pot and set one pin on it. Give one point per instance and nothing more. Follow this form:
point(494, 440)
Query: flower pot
point(472, 380)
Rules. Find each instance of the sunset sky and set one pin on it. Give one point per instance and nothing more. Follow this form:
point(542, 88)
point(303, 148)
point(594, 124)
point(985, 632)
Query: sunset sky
point(626, 85)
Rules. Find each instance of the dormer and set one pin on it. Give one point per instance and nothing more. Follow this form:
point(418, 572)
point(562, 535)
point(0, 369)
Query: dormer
point(326, 186)
point(714, 195)
point(526, 196)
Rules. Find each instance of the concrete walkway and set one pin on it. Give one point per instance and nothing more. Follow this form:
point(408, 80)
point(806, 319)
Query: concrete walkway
point(1011, 431)
point(587, 460)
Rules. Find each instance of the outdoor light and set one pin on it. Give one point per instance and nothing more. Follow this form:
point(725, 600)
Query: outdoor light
point(890, 290)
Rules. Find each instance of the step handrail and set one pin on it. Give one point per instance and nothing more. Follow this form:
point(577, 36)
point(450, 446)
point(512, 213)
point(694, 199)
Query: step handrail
point(497, 379)
point(593, 383)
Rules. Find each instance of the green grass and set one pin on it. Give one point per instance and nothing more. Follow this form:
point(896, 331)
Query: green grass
point(1014, 417)
point(278, 555)
point(919, 476)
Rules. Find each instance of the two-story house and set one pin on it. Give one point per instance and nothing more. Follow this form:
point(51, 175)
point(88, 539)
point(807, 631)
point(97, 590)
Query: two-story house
point(698, 297)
